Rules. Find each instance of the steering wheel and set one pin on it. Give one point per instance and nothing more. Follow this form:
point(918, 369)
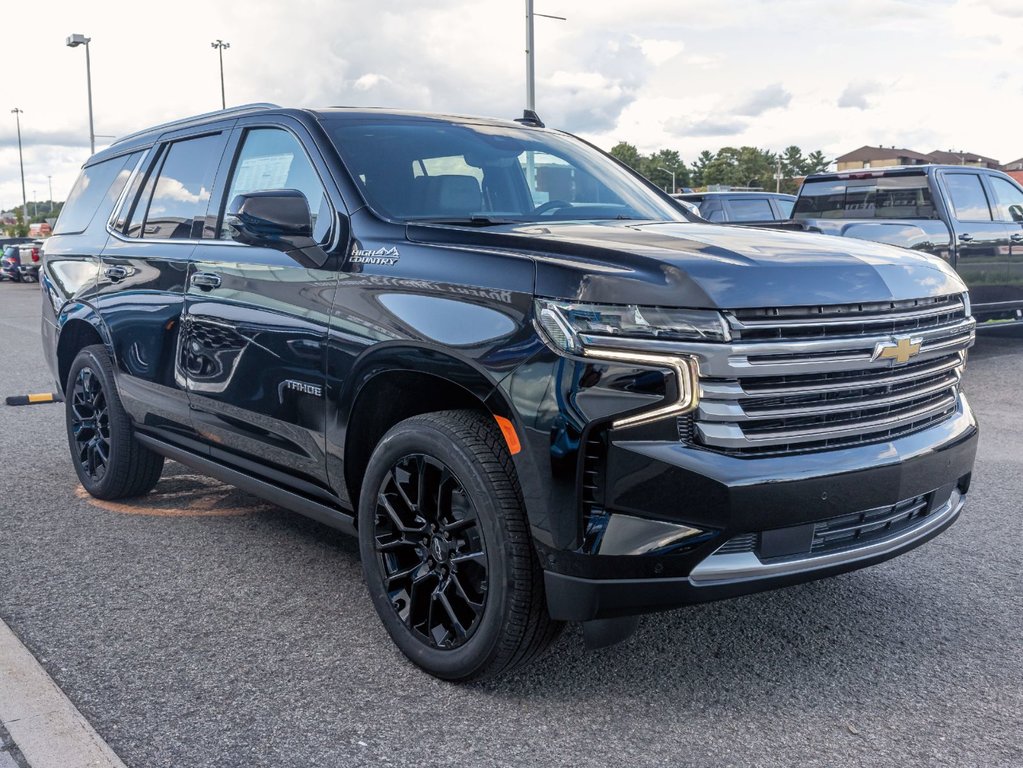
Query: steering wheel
point(551, 206)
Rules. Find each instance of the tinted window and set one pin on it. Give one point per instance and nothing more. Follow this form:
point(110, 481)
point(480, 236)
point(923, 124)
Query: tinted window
point(434, 170)
point(181, 191)
point(891, 197)
point(272, 158)
point(784, 206)
point(968, 198)
point(1006, 194)
point(98, 186)
point(750, 209)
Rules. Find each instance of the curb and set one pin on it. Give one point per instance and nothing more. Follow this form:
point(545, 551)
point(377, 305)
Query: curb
point(47, 728)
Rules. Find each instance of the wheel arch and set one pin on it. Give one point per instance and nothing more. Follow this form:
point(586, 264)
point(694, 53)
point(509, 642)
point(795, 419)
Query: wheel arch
point(398, 382)
point(78, 326)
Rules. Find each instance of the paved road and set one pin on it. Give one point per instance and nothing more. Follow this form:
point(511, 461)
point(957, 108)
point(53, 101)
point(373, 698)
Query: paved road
point(231, 633)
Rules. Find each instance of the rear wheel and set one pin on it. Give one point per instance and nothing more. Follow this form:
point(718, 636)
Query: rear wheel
point(109, 462)
point(446, 548)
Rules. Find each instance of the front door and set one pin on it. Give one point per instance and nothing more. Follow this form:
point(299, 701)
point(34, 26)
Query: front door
point(1008, 203)
point(256, 323)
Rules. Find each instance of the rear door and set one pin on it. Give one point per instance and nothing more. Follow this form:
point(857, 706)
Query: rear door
point(257, 318)
point(142, 280)
point(1008, 208)
point(982, 243)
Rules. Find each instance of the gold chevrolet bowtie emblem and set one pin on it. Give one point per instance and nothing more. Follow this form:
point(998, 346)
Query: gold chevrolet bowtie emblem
point(899, 351)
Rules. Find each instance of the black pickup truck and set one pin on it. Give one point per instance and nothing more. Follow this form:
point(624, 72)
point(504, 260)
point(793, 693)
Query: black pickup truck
point(970, 217)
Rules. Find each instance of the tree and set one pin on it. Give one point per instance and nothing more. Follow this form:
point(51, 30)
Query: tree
point(658, 167)
point(700, 167)
point(816, 162)
point(628, 154)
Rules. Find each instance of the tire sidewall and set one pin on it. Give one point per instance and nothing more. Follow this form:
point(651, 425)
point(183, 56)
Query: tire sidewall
point(474, 654)
point(90, 358)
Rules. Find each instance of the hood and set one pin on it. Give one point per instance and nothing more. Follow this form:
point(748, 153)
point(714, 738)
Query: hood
point(706, 266)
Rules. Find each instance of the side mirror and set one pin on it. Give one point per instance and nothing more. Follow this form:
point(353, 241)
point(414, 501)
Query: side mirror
point(273, 218)
point(1016, 211)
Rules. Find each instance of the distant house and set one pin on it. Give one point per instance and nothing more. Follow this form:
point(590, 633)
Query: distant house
point(1015, 169)
point(963, 157)
point(880, 157)
point(40, 230)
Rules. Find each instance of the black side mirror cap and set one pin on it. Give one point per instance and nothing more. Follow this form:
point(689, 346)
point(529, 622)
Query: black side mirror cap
point(273, 218)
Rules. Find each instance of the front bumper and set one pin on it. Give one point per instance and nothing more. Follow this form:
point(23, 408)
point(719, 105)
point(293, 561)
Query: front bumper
point(671, 482)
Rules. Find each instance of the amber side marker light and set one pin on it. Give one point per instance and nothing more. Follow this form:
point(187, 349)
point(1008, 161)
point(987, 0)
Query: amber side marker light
point(46, 397)
point(508, 430)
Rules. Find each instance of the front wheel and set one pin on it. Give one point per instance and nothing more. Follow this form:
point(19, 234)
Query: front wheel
point(446, 548)
point(110, 462)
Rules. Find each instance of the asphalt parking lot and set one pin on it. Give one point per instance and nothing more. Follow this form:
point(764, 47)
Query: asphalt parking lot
point(210, 629)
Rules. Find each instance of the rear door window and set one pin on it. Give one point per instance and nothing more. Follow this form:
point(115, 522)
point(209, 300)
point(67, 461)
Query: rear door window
point(967, 195)
point(174, 200)
point(98, 186)
point(1007, 195)
point(750, 209)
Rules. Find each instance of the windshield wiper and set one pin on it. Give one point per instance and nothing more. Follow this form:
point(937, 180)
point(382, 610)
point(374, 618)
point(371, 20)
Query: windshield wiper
point(469, 221)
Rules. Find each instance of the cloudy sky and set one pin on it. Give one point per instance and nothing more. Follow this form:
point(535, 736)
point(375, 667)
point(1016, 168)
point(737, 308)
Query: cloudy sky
point(683, 74)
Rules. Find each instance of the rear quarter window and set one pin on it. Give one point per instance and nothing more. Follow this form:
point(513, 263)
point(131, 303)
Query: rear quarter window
point(97, 188)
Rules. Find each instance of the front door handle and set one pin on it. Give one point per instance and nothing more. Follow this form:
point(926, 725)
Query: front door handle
point(1017, 238)
point(116, 273)
point(966, 237)
point(205, 280)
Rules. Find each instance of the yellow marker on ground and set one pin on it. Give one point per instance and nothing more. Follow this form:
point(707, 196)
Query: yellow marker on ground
point(44, 397)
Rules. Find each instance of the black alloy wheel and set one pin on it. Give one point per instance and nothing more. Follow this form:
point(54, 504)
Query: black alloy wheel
point(90, 424)
point(109, 461)
point(446, 548)
point(431, 551)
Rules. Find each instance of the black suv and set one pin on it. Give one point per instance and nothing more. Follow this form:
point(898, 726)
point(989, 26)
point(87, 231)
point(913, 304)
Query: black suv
point(532, 387)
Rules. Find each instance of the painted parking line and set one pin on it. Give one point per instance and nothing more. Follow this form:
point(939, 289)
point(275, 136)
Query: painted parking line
point(47, 728)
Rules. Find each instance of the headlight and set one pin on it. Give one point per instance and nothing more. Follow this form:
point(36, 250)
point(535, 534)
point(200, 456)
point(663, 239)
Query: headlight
point(565, 321)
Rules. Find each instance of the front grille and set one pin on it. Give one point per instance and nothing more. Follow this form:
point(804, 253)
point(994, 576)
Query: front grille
point(805, 378)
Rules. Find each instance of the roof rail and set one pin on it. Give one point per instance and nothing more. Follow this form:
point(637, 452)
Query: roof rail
point(182, 122)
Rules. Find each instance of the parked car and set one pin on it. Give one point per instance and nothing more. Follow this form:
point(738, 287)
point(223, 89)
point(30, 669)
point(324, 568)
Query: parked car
point(21, 261)
point(4, 243)
point(749, 208)
point(971, 218)
point(532, 387)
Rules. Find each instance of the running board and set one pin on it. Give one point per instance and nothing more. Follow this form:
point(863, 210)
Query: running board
point(294, 502)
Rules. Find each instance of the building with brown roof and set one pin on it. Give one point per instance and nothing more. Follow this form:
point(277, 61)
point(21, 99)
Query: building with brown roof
point(951, 157)
point(880, 157)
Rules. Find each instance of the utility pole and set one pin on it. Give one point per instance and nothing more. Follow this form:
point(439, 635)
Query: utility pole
point(220, 45)
point(21, 161)
point(49, 180)
point(777, 176)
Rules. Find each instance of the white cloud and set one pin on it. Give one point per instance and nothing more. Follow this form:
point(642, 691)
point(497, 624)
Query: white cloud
point(758, 102)
point(857, 94)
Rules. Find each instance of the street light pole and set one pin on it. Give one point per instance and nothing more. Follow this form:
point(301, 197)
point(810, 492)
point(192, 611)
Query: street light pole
point(73, 41)
point(220, 45)
point(21, 161)
point(673, 187)
point(49, 209)
point(530, 57)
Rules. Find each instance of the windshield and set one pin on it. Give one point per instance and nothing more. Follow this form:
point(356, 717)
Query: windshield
point(883, 197)
point(429, 170)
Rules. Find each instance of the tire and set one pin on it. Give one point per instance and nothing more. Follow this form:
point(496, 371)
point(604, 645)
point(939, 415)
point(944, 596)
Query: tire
point(446, 548)
point(109, 461)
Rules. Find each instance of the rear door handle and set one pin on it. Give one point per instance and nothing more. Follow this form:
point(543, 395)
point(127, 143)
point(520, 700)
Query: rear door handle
point(966, 237)
point(205, 280)
point(1017, 238)
point(116, 273)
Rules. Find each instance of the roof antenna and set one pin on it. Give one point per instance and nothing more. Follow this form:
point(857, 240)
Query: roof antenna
point(529, 117)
